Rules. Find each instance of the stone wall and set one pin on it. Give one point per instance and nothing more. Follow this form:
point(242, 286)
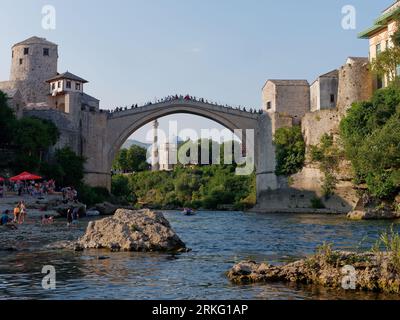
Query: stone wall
point(355, 83)
point(279, 120)
point(287, 97)
point(315, 124)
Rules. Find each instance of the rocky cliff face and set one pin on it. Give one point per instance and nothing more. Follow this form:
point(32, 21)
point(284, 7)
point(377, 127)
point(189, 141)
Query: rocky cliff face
point(127, 230)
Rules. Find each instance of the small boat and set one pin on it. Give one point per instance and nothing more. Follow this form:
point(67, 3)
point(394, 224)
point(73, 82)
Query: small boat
point(188, 212)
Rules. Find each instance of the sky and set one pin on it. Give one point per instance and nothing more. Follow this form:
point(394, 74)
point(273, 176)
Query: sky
point(133, 51)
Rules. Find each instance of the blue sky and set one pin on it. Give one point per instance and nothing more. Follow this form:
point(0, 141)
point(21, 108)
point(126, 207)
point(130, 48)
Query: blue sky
point(132, 51)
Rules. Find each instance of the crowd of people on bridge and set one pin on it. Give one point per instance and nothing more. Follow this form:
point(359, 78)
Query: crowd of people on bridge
point(182, 98)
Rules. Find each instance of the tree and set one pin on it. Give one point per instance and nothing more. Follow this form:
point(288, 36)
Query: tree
point(133, 159)
point(121, 161)
point(290, 150)
point(386, 63)
point(137, 159)
point(66, 168)
point(32, 138)
point(7, 122)
point(371, 138)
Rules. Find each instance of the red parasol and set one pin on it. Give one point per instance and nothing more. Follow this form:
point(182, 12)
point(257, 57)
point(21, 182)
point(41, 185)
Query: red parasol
point(25, 176)
point(2, 179)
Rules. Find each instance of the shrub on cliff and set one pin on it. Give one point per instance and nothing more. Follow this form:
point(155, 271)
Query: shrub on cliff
point(371, 138)
point(328, 155)
point(290, 150)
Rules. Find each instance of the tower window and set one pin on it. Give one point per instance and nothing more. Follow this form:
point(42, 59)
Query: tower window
point(68, 85)
point(59, 84)
point(78, 86)
point(26, 51)
point(332, 98)
point(53, 86)
point(20, 61)
point(46, 52)
point(268, 105)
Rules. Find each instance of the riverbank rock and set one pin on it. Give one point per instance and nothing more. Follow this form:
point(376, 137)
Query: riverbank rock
point(374, 214)
point(369, 208)
point(127, 230)
point(108, 209)
point(373, 272)
point(63, 208)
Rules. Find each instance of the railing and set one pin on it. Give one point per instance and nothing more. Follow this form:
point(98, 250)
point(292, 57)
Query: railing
point(181, 98)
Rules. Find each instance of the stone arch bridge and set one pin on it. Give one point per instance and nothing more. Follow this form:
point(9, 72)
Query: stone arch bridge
point(103, 134)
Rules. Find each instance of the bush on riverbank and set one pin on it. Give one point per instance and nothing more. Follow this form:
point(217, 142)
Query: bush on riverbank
point(209, 187)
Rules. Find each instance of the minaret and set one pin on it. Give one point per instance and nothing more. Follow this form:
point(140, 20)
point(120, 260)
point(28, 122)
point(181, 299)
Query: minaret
point(155, 161)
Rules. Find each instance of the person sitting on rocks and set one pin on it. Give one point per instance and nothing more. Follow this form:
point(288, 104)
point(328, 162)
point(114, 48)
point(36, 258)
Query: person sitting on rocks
point(47, 220)
point(6, 221)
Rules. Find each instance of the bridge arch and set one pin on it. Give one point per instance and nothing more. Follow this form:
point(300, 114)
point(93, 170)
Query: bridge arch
point(106, 133)
point(123, 124)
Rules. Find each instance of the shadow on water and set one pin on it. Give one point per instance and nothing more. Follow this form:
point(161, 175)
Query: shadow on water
point(218, 240)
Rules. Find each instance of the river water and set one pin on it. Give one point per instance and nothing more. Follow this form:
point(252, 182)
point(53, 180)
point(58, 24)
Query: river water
point(218, 240)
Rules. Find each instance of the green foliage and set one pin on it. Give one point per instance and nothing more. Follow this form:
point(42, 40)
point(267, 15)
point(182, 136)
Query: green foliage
point(91, 196)
point(207, 187)
point(66, 168)
point(396, 35)
point(389, 242)
point(32, 139)
point(371, 138)
point(7, 122)
point(197, 151)
point(290, 150)
point(386, 63)
point(133, 159)
point(120, 186)
point(328, 155)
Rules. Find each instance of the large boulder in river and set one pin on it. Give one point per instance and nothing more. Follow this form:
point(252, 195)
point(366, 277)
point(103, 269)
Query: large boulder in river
point(127, 230)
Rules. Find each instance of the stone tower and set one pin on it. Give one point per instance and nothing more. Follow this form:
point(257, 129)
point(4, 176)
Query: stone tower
point(33, 62)
point(155, 163)
point(355, 83)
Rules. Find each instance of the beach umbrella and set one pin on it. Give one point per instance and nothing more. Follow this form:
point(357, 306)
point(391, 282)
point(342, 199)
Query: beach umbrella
point(2, 179)
point(25, 176)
